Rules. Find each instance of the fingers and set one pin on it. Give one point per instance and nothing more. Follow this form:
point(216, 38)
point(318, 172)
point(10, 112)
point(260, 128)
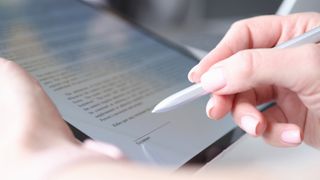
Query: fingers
point(244, 34)
point(219, 106)
point(272, 124)
point(244, 108)
point(242, 70)
point(109, 150)
point(279, 132)
point(246, 115)
point(252, 68)
point(29, 117)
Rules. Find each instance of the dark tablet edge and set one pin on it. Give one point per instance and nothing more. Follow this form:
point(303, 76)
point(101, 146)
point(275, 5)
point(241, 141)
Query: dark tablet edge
point(199, 160)
point(77, 133)
point(214, 149)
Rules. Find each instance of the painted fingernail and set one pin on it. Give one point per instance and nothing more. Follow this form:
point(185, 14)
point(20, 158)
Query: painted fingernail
point(210, 105)
point(291, 136)
point(103, 148)
point(213, 80)
point(249, 124)
point(192, 72)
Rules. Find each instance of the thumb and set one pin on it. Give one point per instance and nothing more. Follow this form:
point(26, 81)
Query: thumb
point(294, 68)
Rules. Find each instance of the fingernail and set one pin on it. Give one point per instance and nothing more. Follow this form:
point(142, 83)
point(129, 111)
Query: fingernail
point(213, 80)
point(210, 105)
point(103, 148)
point(291, 137)
point(191, 74)
point(249, 124)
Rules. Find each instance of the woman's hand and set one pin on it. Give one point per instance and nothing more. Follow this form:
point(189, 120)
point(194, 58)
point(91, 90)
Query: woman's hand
point(35, 141)
point(243, 72)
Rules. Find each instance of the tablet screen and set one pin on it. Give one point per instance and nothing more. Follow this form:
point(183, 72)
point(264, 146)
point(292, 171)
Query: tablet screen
point(105, 76)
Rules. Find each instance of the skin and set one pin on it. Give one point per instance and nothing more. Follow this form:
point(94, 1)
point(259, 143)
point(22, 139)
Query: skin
point(34, 136)
point(253, 74)
point(37, 144)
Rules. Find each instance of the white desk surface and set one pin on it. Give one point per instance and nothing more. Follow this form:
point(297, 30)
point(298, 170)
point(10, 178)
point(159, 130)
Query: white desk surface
point(250, 153)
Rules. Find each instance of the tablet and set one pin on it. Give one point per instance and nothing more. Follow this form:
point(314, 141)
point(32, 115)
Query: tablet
point(106, 74)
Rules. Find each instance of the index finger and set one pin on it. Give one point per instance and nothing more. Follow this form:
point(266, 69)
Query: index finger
point(257, 32)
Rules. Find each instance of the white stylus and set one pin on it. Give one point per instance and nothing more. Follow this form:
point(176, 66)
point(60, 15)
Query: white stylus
point(195, 91)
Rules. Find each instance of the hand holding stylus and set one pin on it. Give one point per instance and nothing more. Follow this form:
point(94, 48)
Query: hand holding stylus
point(241, 74)
point(197, 90)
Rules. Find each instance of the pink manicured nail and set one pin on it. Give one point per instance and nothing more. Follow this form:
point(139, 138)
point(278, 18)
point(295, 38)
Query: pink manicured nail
point(191, 74)
point(291, 136)
point(210, 105)
point(103, 148)
point(249, 124)
point(213, 80)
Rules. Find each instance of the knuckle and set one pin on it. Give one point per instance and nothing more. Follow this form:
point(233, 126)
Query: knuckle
point(246, 63)
point(239, 24)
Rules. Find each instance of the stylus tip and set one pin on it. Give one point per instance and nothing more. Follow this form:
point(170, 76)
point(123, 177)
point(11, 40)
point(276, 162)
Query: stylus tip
point(159, 108)
point(155, 110)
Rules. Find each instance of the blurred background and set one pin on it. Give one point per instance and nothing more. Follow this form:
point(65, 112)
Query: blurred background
point(200, 23)
point(197, 23)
